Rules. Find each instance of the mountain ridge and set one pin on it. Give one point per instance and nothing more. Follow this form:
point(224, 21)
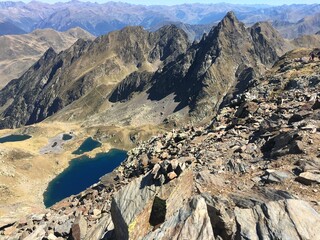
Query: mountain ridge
point(19, 52)
point(187, 81)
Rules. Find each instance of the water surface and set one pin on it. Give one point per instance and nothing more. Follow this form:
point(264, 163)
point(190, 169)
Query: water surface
point(14, 138)
point(88, 145)
point(66, 137)
point(81, 174)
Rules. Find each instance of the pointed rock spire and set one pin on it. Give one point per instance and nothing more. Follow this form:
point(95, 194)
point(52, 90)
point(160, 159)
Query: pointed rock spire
point(229, 20)
point(229, 23)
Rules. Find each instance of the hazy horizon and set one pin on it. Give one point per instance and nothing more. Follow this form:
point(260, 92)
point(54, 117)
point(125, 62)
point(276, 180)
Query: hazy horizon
point(178, 2)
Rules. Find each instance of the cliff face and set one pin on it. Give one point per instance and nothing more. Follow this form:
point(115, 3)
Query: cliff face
point(251, 173)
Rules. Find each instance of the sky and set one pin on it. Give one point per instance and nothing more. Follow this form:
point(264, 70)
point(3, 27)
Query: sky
point(174, 2)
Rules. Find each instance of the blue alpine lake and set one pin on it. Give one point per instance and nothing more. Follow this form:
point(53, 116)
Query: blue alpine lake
point(88, 145)
point(14, 138)
point(81, 174)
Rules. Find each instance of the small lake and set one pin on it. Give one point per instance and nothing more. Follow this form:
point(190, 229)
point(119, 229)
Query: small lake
point(14, 138)
point(88, 145)
point(66, 137)
point(81, 174)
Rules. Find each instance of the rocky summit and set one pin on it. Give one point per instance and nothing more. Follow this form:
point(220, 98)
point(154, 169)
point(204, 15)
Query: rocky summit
point(252, 172)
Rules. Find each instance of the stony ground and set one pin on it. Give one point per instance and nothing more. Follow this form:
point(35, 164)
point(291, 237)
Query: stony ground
point(253, 173)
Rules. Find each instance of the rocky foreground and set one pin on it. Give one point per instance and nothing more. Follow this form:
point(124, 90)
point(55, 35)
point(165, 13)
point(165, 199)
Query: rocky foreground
point(252, 173)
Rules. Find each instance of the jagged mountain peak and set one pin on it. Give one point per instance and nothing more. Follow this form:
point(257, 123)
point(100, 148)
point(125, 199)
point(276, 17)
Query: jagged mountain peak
point(229, 21)
point(230, 16)
point(269, 44)
point(228, 28)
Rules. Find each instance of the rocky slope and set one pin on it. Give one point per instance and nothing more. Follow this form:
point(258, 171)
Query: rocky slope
point(158, 75)
point(19, 52)
point(251, 173)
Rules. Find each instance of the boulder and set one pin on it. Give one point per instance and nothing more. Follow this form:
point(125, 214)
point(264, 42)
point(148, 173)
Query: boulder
point(246, 108)
point(102, 228)
point(38, 233)
point(289, 219)
point(275, 176)
point(190, 222)
point(79, 228)
point(308, 178)
point(282, 144)
point(129, 202)
point(63, 229)
point(133, 207)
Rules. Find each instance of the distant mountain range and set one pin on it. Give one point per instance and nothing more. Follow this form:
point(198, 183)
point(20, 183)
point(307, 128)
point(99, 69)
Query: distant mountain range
point(98, 19)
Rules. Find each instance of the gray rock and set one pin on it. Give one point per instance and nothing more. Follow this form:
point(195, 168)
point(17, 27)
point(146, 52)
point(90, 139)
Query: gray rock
point(129, 202)
point(38, 233)
point(79, 228)
point(236, 166)
point(63, 229)
point(276, 176)
point(222, 220)
point(308, 178)
point(190, 222)
point(289, 219)
point(282, 144)
point(307, 165)
point(131, 206)
point(102, 228)
point(37, 217)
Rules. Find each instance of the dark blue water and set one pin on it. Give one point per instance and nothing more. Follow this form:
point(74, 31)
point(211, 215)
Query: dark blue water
point(81, 174)
point(66, 137)
point(14, 138)
point(88, 145)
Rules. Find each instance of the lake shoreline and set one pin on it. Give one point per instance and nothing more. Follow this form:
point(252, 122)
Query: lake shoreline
point(70, 181)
